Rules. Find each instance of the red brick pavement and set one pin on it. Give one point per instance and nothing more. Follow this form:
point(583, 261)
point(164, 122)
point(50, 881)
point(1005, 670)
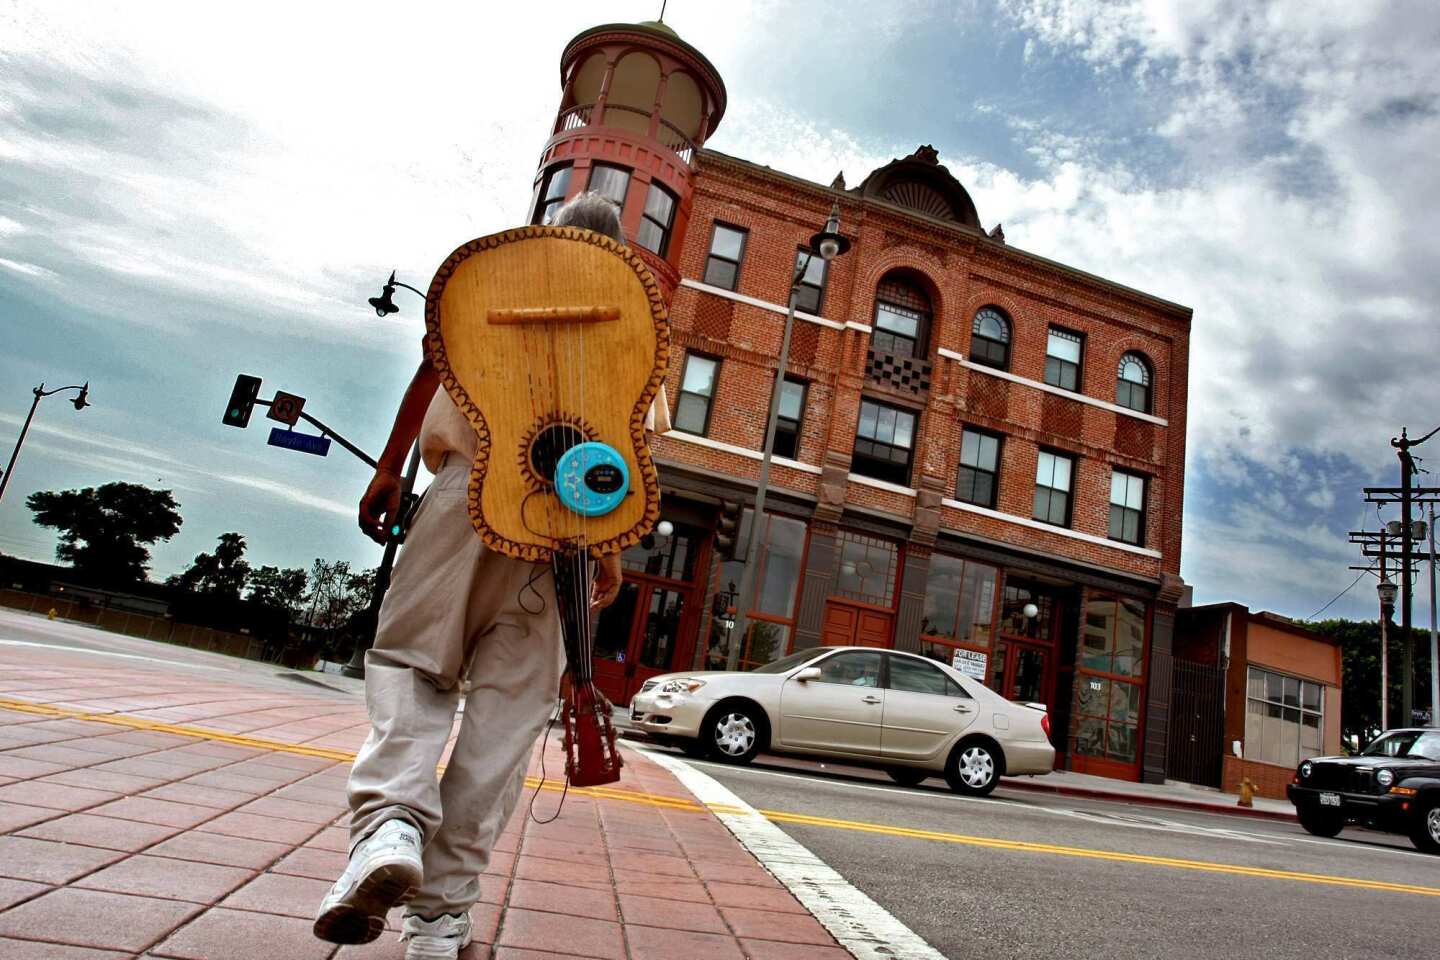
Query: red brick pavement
point(125, 837)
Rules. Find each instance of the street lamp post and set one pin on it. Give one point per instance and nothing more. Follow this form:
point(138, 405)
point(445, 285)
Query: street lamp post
point(828, 244)
point(385, 305)
point(80, 402)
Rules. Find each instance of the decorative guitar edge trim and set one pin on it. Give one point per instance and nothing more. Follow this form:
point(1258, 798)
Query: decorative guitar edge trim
point(435, 347)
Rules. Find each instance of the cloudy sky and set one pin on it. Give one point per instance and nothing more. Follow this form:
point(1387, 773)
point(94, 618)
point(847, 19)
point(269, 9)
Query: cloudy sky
point(188, 191)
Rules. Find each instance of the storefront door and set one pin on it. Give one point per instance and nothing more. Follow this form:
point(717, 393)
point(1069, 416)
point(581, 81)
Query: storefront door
point(639, 635)
point(1023, 671)
point(856, 625)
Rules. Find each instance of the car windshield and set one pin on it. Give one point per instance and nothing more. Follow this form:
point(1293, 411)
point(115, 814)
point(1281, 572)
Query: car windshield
point(1421, 744)
point(794, 660)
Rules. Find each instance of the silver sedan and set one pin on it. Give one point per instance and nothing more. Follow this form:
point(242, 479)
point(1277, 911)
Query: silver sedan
point(900, 711)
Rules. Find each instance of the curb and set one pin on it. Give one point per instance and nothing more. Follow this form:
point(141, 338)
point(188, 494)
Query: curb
point(1120, 797)
point(629, 733)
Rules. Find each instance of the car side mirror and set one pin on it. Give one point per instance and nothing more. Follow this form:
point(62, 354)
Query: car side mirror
point(809, 673)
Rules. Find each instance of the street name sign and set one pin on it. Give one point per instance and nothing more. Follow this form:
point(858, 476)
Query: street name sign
point(286, 407)
point(304, 442)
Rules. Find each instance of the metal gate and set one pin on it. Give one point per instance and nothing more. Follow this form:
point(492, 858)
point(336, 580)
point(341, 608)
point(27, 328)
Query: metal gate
point(1197, 723)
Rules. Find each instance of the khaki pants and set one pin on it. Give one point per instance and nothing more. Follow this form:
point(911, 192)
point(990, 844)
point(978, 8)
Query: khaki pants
point(454, 604)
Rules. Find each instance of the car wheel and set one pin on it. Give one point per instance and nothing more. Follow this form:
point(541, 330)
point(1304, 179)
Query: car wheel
point(908, 776)
point(973, 768)
point(1319, 823)
point(1425, 831)
point(732, 735)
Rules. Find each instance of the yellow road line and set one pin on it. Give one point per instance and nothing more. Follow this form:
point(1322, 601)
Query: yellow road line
point(776, 816)
point(780, 816)
point(300, 749)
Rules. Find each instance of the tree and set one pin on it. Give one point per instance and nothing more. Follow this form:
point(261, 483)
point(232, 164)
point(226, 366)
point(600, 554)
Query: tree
point(105, 530)
point(222, 573)
point(338, 593)
point(1360, 696)
point(281, 589)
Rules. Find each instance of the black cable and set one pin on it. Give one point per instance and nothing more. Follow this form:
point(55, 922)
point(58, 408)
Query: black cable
point(539, 571)
point(1341, 593)
point(543, 776)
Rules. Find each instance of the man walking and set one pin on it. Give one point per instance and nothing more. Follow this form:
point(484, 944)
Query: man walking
point(454, 607)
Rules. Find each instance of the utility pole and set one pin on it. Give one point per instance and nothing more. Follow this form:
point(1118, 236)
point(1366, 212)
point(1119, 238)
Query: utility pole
point(1402, 445)
point(1434, 645)
point(1385, 609)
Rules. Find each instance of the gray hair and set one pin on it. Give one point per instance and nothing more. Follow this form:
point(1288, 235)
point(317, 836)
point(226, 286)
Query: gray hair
point(591, 211)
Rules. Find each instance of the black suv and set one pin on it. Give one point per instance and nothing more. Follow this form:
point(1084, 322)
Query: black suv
point(1393, 785)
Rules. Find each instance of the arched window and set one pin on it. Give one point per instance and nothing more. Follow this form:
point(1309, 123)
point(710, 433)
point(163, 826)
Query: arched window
point(902, 317)
point(1132, 383)
point(990, 339)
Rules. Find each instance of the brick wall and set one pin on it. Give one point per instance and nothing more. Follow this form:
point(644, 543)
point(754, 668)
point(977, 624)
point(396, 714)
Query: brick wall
point(1269, 779)
point(962, 272)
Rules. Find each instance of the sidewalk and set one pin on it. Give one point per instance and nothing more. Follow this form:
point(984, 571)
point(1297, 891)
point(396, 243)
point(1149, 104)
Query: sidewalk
point(149, 811)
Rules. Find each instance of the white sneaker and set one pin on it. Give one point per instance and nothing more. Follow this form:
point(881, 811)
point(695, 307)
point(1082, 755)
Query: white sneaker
point(440, 939)
point(384, 871)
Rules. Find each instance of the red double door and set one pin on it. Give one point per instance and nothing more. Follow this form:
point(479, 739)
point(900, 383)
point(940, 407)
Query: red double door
point(650, 629)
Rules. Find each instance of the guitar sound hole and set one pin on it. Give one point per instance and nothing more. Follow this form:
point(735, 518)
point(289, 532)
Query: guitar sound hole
point(549, 446)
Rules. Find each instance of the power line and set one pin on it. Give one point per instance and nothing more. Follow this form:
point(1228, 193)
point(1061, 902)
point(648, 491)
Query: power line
point(1341, 593)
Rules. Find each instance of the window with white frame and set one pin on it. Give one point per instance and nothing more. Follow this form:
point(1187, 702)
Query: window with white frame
point(979, 468)
point(1284, 718)
point(1127, 507)
point(1062, 359)
point(1053, 474)
point(656, 220)
point(697, 389)
point(727, 249)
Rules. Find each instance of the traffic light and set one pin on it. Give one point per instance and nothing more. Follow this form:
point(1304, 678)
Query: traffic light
point(242, 401)
point(400, 523)
point(727, 529)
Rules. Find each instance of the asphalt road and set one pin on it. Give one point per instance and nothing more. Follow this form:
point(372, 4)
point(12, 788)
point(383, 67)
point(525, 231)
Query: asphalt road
point(1079, 893)
point(1032, 875)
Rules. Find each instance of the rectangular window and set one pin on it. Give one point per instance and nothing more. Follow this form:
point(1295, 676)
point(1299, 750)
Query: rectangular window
point(1284, 718)
point(1063, 359)
point(1127, 507)
point(697, 389)
point(1053, 476)
point(787, 421)
point(727, 249)
point(612, 183)
point(810, 291)
point(979, 468)
point(897, 330)
point(884, 443)
point(552, 194)
point(656, 220)
point(959, 602)
point(778, 579)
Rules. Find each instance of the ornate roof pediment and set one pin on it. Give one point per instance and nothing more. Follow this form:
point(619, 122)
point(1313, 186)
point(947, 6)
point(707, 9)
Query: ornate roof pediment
point(920, 182)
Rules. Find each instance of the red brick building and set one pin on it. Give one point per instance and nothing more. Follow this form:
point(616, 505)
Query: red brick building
point(981, 451)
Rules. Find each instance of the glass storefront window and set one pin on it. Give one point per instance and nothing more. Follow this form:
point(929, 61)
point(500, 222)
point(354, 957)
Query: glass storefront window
point(782, 558)
point(672, 557)
point(1107, 707)
point(1284, 718)
point(959, 601)
point(1012, 610)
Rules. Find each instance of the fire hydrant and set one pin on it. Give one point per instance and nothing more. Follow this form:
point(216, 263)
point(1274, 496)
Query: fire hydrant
point(1247, 794)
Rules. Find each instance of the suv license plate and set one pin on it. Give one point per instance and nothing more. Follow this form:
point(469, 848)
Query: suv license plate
point(1329, 799)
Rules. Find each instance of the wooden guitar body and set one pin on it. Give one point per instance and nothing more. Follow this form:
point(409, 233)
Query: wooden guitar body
point(546, 337)
point(553, 342)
